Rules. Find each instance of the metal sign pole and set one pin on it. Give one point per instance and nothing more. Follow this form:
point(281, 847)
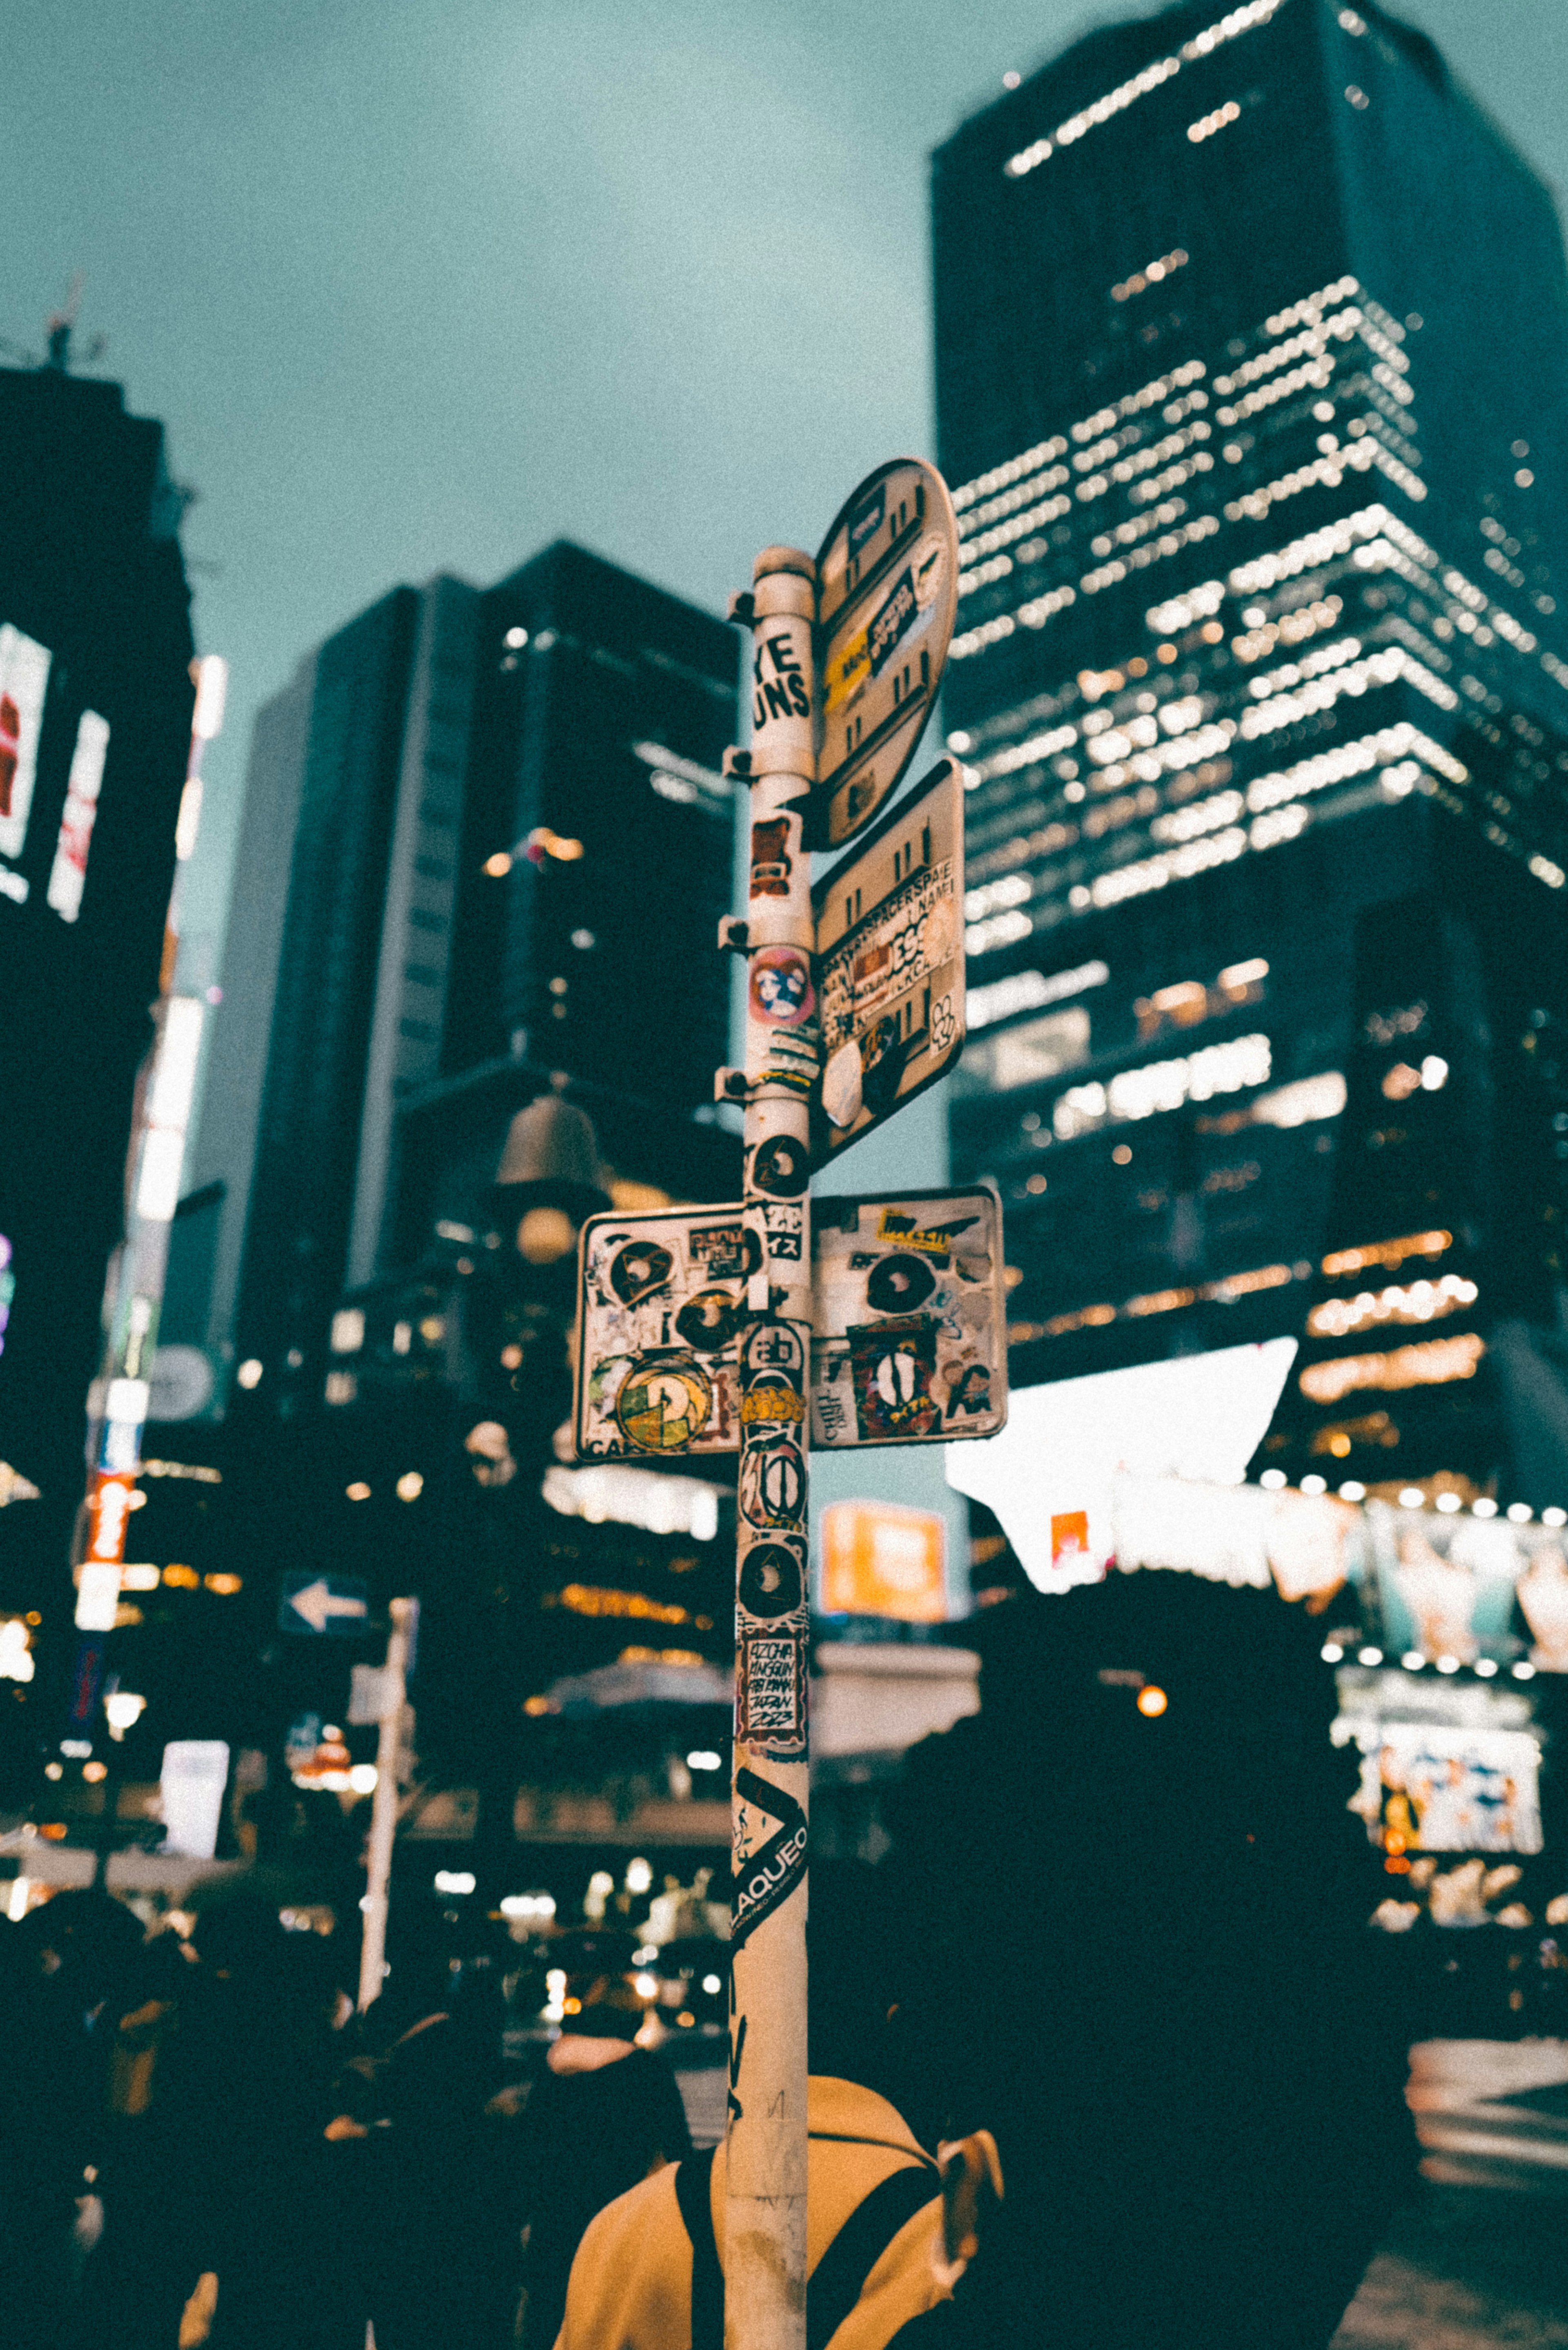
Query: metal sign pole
point(384, 1807)
point(765, 2156)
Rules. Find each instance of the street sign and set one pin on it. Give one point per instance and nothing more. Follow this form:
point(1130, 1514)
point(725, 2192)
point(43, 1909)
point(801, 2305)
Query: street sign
point(909, 1346)
point(336, 1604)
point(886, 597)
point(890, 963)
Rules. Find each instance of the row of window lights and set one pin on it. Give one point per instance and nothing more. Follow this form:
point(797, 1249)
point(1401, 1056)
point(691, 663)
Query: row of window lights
point(1413, 1497)
point(1414, 1661)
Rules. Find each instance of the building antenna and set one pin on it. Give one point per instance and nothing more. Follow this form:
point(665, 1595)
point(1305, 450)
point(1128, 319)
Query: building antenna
point(62, 327)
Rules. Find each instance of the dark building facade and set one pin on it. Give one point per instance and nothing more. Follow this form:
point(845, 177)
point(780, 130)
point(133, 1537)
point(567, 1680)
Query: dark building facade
point(96, 700)
point(506, 815)
point(1250, 357)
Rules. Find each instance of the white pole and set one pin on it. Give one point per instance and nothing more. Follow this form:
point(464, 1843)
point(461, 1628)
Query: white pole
point(765, 2156)
point(384, 1807)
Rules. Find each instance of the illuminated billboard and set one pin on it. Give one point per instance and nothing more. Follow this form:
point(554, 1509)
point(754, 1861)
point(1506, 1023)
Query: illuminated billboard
point(24, 679)
point(1053, 1475)
point(879, 1558)
point(1433, 1787)
point(69, 873)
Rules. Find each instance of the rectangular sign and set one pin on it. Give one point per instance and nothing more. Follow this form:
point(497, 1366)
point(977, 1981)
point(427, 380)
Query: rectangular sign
point(909, 1343)
point(24, 677)
point(890, 963)
point(337, 1604)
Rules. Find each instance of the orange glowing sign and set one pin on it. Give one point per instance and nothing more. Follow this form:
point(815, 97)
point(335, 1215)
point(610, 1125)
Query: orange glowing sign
point(879, 1559)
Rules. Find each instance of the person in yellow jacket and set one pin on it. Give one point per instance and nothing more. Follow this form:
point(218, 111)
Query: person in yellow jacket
point(883, 2249)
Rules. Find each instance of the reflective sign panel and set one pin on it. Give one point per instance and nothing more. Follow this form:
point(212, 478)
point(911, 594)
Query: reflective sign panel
point(909, 1348)
point(888, 591)
point(890, 963)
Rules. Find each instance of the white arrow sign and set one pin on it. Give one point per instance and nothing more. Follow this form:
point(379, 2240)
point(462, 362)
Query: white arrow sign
point(318, 1604)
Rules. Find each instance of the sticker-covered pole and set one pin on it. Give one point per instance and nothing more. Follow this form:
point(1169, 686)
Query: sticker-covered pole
point(764, 2239)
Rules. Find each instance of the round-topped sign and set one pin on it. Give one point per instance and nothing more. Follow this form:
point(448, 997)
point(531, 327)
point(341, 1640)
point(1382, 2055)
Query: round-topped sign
point(887, 597)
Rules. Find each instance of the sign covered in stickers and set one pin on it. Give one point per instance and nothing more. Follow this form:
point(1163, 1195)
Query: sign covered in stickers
point(887, 592)
point(909, 1342)
point(891, 963)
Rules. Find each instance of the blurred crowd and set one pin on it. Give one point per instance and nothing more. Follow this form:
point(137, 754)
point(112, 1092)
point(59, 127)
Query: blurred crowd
point(1102, 2053)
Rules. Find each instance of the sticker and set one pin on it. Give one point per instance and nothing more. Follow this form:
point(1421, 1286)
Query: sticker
point(710, 1320)
point(894, 1365)
point(841, 1086)
point(944, 1025)
point(785, 694)
point(772, 1580)
point(774, 1347)
point(970, 1393)
point(772, 1483)
point(936, 1241)
point(898, 1284)
point(661, 1406)
point(728, 1251)
point(832, 1416)
point(764, 1879)
point(781, 990)
point(784, 1248)
point(771, 1400)
point(770, 862)
point(939, 933)
point(638, 1269)
point(883, 1052)
point(892, 624)
point(847, 670)
point(781, 1166)
point(866, 518)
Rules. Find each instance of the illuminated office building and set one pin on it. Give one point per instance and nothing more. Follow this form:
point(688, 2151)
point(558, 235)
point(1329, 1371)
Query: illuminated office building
point(1252, 387)
point(509, 844)
point(95, 701)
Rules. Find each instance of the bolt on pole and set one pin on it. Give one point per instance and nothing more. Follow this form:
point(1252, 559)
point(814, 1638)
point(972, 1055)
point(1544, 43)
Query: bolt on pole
point(384, 1807)
point(765, 2145)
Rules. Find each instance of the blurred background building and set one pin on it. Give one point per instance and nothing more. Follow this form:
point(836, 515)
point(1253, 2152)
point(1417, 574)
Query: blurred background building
point(1262, 686)
point(95, 698)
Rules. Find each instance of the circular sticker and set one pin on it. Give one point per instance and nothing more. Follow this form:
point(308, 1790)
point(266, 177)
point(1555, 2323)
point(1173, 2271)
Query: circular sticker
point(781, 1166)
point(770, 1582)
point(773, 1484)
point(841, 1085)
point(898, 1284)
point(638, 1269)
point(938, 937)
point(780, 988)
point(710, 1320)
point(662, 1405)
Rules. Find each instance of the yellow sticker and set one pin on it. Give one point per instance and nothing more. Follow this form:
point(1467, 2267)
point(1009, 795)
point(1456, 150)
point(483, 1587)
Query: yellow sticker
point(847, 672)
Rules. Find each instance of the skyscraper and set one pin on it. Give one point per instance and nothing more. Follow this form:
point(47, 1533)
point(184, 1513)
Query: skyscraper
point(95, 715)
point(508, 844)
point(1252, 335)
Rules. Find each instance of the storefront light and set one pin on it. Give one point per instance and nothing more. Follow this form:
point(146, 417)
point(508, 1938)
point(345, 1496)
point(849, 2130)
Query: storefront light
point(1369, 1655)
point(1412, 1660)
point(1331, 1652)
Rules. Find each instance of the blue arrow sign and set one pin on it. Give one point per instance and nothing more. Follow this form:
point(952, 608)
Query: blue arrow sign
point(337, 1604)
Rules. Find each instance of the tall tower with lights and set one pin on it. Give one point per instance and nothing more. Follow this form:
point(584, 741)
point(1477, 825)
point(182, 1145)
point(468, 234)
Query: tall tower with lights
point(1252, 385)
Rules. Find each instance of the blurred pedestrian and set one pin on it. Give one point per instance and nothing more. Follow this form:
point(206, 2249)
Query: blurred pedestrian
point(66, 1965)
point(649, 2274)
point(440, 2265)
point(1155, 1980)
point(602, 2115)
